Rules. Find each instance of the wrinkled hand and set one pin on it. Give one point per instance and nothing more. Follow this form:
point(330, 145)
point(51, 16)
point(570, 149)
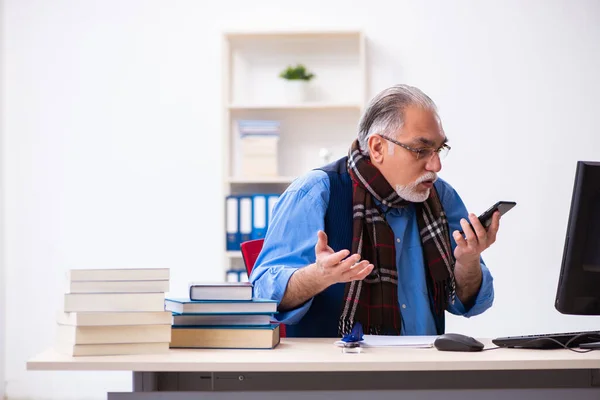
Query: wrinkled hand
point(469, 248)
point(338, 267)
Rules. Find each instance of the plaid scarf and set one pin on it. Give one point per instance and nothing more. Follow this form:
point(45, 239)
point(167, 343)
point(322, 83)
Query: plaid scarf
point(374, 301)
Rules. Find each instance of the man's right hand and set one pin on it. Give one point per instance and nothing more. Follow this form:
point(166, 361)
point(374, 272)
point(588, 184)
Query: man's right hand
point(338, 267)
point(329, 268)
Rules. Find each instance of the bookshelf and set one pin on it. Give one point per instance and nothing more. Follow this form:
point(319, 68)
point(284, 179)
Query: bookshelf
point(296, 106)
point(326, 119)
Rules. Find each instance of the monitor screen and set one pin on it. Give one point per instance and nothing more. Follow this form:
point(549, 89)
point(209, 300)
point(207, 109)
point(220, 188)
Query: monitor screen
point(579, 282)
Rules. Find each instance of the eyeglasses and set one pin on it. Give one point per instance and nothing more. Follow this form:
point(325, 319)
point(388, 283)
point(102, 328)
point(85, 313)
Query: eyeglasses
point(424, 153)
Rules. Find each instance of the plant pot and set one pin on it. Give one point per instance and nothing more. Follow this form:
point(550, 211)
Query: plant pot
point(296, 90)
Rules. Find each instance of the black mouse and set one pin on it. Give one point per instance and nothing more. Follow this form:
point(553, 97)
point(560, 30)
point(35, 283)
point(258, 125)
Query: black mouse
point(457, 342)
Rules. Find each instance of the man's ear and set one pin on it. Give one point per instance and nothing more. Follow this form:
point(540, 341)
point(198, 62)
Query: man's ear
point(377, 149)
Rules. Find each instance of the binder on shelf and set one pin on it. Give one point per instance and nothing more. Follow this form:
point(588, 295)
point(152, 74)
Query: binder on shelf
point(271, 200)
point(245, 213)
point(232, 276)
point(247, 217)
point(236, 275)
point(259, 216)
point(232, 223)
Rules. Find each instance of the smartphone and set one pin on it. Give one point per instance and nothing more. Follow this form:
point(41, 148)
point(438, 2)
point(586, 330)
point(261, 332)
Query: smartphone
point(486, 217)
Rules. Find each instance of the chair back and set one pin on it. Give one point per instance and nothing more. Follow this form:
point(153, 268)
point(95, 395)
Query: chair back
point(250, 251)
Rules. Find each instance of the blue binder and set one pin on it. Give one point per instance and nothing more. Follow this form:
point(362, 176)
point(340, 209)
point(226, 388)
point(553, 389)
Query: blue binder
point(259, 216)
point(271, 200)
point(245, 216)
point(232, 223)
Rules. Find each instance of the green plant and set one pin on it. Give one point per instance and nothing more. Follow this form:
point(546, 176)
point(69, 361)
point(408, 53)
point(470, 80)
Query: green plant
point(298, 72)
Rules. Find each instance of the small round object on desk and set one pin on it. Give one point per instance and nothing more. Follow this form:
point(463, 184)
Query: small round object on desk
point(351, 348)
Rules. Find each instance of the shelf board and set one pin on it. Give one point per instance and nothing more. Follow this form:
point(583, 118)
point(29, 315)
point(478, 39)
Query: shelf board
point(298, 106)
point(275, 179)
point(300, 33)
point(234, 254)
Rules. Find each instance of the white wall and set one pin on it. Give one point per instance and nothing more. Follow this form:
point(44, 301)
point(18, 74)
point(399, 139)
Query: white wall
point(112, 136)
point(2, 259)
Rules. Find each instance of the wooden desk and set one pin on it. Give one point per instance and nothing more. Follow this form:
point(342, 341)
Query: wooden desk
point(316, 364)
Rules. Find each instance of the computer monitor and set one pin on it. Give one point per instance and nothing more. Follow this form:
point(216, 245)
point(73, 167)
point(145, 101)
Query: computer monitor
point(578, 291)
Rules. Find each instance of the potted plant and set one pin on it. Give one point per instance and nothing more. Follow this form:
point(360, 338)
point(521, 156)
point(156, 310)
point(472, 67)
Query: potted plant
point(297, 78)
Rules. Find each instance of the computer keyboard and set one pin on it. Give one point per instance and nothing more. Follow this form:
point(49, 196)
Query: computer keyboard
point(549, 340)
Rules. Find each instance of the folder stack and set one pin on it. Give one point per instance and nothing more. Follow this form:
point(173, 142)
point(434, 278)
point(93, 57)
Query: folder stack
point(222, 315)
point(247, 217)
point(114, 311)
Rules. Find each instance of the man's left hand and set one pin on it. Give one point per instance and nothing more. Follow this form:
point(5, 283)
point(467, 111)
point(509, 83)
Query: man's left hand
point(476, 240)
point(467, 253)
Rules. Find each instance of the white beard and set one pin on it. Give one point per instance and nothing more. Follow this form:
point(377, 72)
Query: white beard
point(409, 192)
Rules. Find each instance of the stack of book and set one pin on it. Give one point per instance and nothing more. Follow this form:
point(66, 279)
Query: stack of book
point(114, 311)
point(259, 140)
point(223, 315)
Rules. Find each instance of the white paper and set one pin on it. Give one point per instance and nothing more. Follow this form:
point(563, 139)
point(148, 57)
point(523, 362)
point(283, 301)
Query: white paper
point(397, 341)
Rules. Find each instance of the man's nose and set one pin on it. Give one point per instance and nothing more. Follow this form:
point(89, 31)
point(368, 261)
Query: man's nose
point(434, 164)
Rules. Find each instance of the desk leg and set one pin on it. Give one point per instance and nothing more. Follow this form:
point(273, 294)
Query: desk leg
point(145, 382)
point(148, 382)
point(151, 386)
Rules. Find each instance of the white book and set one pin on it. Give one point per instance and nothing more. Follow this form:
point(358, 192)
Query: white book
point(114, 318)
point(119, 274)
point(88, 302)
point(113, 334)
point(113, 349)
point(118, 286)
point(220, 291)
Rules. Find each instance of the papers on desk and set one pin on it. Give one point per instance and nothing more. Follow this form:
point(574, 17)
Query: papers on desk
point(395, 341)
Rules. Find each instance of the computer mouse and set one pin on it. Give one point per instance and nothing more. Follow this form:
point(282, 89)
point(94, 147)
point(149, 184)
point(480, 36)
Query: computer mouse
point(457, 342)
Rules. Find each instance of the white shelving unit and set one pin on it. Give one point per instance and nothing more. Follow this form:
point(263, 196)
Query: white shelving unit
point(296, 106)
point(252, 89)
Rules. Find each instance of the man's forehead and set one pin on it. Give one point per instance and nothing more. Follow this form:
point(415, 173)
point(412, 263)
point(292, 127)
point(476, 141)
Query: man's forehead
point(423, 124)
point(424, 134)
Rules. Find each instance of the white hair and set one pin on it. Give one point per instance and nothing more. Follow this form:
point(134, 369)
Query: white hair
point(385, 112)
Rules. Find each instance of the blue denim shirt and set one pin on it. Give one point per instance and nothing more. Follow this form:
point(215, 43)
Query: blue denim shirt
point(292, 235)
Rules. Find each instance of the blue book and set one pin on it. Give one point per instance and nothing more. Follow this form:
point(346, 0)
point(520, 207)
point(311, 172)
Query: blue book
point(187, 306)
point(219, 319)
